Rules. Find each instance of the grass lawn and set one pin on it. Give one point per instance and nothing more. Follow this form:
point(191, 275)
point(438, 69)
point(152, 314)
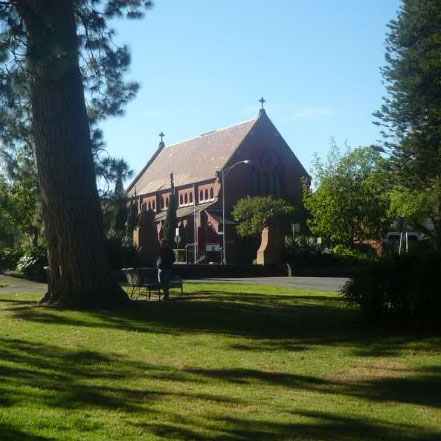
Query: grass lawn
point(228, 362)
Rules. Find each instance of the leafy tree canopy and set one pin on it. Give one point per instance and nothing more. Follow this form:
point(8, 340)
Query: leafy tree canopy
point(253, 214)
point(420, 207)
point(349, 202)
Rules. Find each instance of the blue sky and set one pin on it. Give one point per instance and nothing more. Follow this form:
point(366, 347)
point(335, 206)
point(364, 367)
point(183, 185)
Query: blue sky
point(203, 65)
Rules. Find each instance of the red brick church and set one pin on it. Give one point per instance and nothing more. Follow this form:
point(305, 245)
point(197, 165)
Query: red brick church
point(255, 160)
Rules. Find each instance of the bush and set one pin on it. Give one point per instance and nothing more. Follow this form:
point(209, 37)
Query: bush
point(353, 257)
point(9, 258)
point(120, 252)
point(303, 254)
point(405, 288)
point(32, 264)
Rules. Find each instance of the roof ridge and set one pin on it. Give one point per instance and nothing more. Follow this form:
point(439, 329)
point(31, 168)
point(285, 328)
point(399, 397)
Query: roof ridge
point(212, 132)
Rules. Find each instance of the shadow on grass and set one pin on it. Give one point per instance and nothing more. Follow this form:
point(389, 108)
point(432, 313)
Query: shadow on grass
point(422, 387)
point(10, 433)
point(65, 379)
point(314, 426)
point(268, 322)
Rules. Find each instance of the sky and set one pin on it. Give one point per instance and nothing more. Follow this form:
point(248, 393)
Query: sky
point(204, 64)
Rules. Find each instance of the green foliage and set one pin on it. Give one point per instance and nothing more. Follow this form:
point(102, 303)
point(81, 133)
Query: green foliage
point(420, 207)
point(103, 64)
point(132, 218)
point(253, 214)
point(32, 264)
point(114, 203)
point(303, 254)
point(405, 287)
point(171, 221)
point(120, 252)
point(9, 258)
point(6, 219)
point(350, 200)
point(411, 113)
point(21, 192)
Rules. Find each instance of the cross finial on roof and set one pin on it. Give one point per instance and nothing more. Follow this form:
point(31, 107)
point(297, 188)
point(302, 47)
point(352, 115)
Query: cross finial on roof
point(161, 135)
point(262, 102)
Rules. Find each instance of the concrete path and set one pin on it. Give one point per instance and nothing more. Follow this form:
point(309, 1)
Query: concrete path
point(332, 284)
point(16, 285)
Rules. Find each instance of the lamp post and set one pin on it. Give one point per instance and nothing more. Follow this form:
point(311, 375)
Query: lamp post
point(224, 173)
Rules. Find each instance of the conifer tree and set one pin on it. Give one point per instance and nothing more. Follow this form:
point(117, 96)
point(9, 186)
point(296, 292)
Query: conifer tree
point(411, 112)
point(61, 73)
point(171, 221)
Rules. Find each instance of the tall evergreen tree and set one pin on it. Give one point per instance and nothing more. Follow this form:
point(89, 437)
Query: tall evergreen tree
point(171, 220)
point(115, 203)
point(58, 56)
point(411, 112)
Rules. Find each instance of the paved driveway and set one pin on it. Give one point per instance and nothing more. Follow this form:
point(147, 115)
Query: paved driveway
point(15, 285)
point(332, 284)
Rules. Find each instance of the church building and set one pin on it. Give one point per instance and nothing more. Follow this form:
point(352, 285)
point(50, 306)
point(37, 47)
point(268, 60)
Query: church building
point(251, 158)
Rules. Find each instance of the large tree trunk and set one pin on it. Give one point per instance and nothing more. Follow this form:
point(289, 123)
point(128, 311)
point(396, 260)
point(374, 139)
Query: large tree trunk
point(79, 275)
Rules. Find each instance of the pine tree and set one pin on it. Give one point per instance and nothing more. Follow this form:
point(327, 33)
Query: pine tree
point(61, 74)
point(411, 113)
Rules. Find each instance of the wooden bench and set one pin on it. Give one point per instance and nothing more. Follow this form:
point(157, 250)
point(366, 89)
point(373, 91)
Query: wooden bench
point(143, 281)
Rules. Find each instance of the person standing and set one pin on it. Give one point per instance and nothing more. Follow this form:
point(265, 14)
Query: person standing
point(164, 264)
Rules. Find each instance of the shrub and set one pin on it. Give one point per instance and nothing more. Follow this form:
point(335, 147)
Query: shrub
point(303, 254)
point(120, 252)
point(406, 288)
point(352, 256)
point(32, 264)
point(9, 258)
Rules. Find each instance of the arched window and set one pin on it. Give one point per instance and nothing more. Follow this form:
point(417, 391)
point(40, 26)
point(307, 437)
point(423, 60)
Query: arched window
point(191, 198)
point(206, 194)
point(211, 193)
point(181, 201)
point(150, 206)
point(162, 202)
point(186, 198)
point(154, 205)
point(201, 196)
point(143, 207)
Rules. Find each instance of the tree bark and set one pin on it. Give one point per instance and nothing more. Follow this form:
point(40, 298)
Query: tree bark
point(79, 275)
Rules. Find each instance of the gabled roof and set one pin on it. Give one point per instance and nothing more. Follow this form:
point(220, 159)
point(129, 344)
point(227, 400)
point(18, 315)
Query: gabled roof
point(190, 161)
